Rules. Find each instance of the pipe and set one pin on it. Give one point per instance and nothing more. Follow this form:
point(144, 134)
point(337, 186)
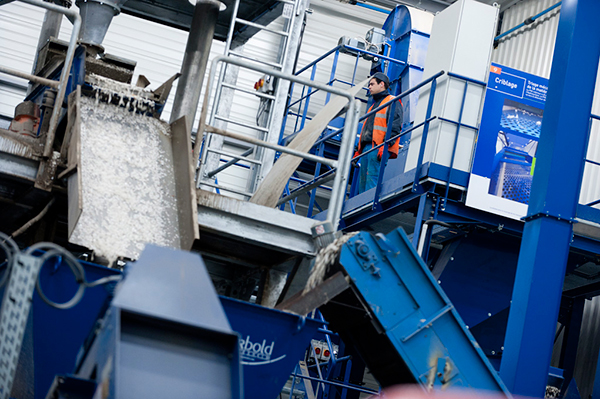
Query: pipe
point(370, 7)
point(229, 163)
point(307, 187)
point(197, 50)
point(32, 78)
point(528, 21)
point(50, 28)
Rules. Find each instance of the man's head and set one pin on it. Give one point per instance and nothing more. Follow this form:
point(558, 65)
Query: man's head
point(378, 83)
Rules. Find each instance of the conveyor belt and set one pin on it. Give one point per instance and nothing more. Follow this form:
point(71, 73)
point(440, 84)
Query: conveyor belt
point(400, 320)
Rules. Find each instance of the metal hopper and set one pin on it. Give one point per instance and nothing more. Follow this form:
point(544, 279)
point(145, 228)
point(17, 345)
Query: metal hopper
point(131, 180)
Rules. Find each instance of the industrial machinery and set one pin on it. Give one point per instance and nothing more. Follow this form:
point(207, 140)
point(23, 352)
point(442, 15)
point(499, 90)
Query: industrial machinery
point(91, 147)
point(418, 337)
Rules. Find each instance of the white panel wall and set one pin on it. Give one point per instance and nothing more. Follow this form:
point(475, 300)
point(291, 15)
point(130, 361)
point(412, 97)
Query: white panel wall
point(460, 42)
point(19, 32)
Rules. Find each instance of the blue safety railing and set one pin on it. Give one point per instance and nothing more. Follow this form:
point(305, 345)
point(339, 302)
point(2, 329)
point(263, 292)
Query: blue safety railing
point(586, 160)
point(321, 178)
point(303, 103)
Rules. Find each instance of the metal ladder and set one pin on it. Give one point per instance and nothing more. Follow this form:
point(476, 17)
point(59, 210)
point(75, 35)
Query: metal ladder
point(258, 159)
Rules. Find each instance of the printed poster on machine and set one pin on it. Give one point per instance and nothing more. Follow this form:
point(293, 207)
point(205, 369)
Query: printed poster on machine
point(509, 132)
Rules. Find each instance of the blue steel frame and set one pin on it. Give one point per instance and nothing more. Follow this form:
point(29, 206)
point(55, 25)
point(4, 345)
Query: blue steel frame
point(554, 200)
point(592, 119)
point(302, 116)
point(419, 172)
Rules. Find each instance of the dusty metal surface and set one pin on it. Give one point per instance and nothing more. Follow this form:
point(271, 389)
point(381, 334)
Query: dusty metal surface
point(185, 190)
point(46, 172)
point(251, 227)
point(20, 145)
point(302, 303)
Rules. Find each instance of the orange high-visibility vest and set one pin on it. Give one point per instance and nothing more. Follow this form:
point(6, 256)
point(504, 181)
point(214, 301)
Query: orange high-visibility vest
point(380, 128)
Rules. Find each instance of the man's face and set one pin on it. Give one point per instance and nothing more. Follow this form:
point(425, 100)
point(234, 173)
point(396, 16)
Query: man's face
point(376, 88)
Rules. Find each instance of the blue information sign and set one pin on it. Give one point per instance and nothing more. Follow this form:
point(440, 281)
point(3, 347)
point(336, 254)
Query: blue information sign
point(509, 131)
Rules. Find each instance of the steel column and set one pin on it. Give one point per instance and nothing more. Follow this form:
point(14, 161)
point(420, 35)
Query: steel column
point(50, 28)
point(195, 59)
point(555, 190)
point(568, 353)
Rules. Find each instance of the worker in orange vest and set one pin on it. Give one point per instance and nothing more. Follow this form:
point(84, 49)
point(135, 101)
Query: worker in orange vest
point(374, 130)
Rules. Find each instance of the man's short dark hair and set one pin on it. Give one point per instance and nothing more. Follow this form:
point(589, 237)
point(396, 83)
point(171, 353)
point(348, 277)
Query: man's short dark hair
point(382, 77)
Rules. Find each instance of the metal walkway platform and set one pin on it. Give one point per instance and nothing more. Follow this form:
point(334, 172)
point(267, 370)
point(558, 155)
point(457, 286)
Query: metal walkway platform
point(257, 234)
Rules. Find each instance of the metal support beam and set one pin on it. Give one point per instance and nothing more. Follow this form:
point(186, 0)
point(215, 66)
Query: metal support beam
point(195, 60)
point(50, 28)
point(555, 191)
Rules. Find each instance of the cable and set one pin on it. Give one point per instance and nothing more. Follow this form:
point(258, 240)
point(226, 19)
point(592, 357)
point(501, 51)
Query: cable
point(104, 280)
point(6, 238)
point(10, 250)
point(73, 264)
point(52, 251)
point(33, 221)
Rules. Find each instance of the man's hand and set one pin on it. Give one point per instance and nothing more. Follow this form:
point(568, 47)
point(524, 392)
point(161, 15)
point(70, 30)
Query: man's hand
point(380, 153)
point(355, 160)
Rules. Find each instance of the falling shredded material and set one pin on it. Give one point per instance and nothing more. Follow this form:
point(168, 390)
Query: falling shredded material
point(128, 188)
point(325, 258)
point(132, 98)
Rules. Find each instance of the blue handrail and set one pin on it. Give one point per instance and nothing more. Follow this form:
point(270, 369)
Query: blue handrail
point(528, 21)
point(399, 96)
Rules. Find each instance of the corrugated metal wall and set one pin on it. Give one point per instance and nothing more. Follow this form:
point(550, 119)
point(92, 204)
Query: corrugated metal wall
point(159, 50)
point(530, 48)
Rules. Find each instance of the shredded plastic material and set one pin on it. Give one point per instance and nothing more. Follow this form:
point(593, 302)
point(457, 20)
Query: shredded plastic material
point(128, 188)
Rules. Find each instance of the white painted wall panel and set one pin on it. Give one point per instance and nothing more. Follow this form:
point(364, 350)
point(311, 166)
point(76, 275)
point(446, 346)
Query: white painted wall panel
point(330, 21)
point(19, 32)
point(460, 42)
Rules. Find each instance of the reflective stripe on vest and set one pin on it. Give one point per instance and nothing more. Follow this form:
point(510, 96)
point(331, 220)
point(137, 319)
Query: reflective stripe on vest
point(380, 129)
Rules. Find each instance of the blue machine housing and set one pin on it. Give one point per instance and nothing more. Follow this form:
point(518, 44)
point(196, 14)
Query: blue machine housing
point(410, 46)
point(165, 334)
point(271, 343)
point(53, 337)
